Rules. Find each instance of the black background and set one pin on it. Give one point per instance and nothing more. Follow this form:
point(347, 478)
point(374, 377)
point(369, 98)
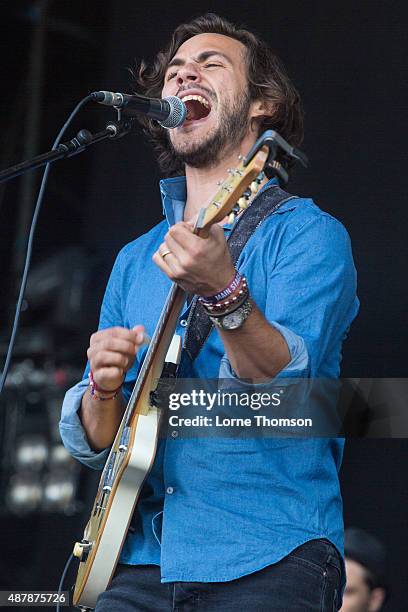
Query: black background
point(349, 62)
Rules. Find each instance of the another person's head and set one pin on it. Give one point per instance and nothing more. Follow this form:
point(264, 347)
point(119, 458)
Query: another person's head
point(245, 88)
point(365, 572)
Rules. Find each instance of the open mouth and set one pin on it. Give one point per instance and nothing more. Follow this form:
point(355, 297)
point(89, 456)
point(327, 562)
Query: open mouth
point(197, 107)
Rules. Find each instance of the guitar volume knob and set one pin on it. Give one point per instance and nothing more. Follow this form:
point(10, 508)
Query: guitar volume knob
point(80, 548)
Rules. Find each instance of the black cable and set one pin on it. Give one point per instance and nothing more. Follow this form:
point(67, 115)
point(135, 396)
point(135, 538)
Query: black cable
point(30, 243)
point(61, 584)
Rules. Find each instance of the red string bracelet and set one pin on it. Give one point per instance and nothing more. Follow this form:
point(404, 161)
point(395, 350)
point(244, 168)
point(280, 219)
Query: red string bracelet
point(95, 389)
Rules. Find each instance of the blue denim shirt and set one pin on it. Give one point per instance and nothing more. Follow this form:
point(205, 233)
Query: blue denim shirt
point(215, 509)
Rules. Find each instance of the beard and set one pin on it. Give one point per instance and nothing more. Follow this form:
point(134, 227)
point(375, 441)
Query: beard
point(227, 135)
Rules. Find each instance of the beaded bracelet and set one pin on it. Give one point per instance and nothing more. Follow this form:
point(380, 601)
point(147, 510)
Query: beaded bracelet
point(230, 309)
point(239, 292)
point(228, 290)
point(95, 390)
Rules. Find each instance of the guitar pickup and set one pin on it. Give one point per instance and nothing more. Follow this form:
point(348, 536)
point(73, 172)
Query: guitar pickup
point(124, 439)
point(110, 474)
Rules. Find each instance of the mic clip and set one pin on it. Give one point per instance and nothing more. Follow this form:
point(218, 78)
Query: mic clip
point(121, 126)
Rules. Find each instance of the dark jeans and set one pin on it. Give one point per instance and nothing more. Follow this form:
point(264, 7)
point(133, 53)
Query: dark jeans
point(307, 580)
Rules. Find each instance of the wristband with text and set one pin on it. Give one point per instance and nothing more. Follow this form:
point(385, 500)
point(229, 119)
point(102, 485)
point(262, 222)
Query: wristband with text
point(224, 293)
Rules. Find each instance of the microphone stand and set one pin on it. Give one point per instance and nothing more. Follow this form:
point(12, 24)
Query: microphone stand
point(84, 138)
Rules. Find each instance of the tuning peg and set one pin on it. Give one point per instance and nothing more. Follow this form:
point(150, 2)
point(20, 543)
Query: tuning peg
point(254, 186)
point(233, 214)
point(243, 203)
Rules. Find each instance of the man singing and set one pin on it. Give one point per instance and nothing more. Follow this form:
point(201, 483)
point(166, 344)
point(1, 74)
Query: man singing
point(225, 524)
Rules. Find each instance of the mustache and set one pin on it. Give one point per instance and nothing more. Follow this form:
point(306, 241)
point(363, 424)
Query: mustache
point(209, 93)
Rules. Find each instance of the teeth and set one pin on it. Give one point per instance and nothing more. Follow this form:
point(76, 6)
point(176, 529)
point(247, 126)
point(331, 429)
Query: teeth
point(200, 99)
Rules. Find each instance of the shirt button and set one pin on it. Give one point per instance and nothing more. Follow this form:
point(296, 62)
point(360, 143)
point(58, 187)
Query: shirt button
point(170, 490)
point(174, 434)
point(183, 323)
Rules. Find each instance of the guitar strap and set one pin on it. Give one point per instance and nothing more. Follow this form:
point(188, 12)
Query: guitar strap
point(264, 205)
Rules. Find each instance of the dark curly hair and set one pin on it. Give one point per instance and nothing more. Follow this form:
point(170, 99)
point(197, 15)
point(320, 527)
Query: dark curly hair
point(267, 80)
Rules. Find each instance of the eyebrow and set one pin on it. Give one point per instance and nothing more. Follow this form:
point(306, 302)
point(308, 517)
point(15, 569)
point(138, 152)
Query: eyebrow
point(202, 57)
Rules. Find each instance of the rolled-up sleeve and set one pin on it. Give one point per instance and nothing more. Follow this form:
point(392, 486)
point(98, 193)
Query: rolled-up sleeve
point(311, 297)
point(298, 367)
point(72, 432)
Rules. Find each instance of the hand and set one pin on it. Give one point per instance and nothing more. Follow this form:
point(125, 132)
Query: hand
point(112, 352)
point(199, 265)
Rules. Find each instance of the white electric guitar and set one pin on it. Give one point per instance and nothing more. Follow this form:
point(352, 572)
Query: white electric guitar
point(133, 450)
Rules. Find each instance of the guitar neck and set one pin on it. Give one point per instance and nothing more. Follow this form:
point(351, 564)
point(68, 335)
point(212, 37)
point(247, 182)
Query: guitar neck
point(158, 346)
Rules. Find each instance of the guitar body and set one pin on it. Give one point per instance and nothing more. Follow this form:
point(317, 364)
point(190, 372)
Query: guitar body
point(129, 463)
point(113, 510)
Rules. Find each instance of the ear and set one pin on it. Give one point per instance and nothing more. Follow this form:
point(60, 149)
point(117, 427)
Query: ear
point(376, 599)
point(261, 108)
point(258, 110)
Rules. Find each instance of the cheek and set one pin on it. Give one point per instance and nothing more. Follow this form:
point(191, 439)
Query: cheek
point(357, 601)
point(168, 89)
point(228, 96)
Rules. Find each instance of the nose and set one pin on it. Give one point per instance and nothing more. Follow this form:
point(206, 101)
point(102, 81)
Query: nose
point(188, 73)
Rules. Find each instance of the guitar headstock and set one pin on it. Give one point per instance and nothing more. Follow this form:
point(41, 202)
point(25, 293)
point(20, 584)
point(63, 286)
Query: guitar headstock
point(230, 191)
point(262, 157)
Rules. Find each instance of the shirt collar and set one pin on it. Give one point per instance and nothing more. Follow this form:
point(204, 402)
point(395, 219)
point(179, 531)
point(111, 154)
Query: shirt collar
point(173, 193)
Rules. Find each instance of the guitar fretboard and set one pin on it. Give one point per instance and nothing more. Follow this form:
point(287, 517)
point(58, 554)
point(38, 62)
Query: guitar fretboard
point(173, 297)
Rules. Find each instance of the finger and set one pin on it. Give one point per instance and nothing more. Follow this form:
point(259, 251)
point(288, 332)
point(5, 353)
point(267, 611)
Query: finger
point(183, 235)
point(163, 250)
point(117, 332)
point(164, 263)
point(172, 250)
point(216, 236)
point(185, 256)
point(141, 337)
point(172, 268)
point(105, 358)
point(176, 249)
point(116, 345)
point(108, 377)
point(217, 232)
point(192, 222)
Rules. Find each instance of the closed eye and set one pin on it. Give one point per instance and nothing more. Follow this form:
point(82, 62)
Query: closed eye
point(171, 75)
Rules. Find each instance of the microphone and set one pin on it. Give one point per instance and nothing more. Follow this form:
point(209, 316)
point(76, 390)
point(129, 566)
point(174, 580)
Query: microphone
point(169, 112)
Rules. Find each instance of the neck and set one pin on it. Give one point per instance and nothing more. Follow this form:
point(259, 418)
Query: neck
point(202, 182)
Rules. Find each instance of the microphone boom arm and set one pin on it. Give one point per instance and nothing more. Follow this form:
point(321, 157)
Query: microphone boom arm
point(84, 138)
